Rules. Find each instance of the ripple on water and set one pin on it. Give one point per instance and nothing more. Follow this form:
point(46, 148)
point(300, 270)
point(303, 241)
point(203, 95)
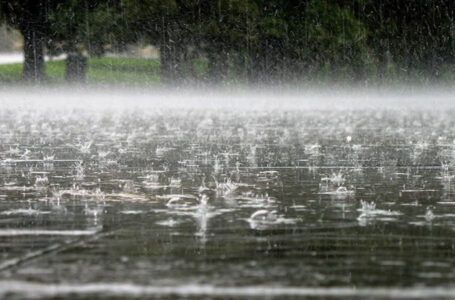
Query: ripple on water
point(119, 289)
point(24, 212)
point(132, 212)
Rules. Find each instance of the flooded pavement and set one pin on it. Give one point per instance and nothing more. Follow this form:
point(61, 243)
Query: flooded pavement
point(227, 204)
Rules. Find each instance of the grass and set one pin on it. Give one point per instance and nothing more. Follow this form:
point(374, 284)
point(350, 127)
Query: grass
point(100, 70)
point(145, 71)
point(123, 70)
point(10, 72)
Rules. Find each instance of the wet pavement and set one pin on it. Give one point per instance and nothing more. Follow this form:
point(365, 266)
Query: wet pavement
point(226, 204)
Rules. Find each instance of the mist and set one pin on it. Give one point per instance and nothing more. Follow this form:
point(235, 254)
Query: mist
point(242, 99)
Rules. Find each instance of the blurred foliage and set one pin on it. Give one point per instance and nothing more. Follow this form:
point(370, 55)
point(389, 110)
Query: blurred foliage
point(335, 38)
point(256, 40)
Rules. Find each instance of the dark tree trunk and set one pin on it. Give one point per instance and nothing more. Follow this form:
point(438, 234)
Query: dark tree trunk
point(257, 64)
point(166, 63)
point(34, 69)
point(76, 68)
point(218, 63)
point(170, 53)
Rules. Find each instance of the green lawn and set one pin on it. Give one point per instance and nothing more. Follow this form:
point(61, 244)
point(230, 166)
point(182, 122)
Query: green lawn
point(145, 71)
point(100, 70)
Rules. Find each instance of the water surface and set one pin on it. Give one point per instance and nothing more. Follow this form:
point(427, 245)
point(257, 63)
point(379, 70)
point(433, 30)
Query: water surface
point(226, 203)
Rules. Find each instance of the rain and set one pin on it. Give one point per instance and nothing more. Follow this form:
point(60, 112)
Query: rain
point(227, 149)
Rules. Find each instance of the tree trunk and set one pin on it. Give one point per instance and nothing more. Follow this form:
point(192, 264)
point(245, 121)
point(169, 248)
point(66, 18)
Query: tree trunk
point(218, 63)
point(34, 69)
point(165, 63)
point(169, 54)
point(76, 68)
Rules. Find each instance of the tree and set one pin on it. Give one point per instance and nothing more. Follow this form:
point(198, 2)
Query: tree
point(414, 37)
point(79, 27)
point(160, 22)
point(336, 39)
point(30, 17)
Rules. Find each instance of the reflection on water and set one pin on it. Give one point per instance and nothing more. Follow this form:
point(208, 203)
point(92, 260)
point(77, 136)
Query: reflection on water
point(217, 203)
